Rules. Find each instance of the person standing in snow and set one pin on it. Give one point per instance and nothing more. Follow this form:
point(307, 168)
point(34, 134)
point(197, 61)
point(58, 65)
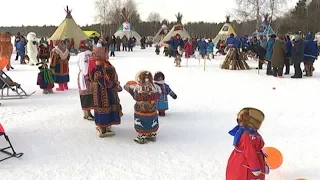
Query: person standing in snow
point(210, 49)
point(59, 65)
point(278, 55)
point(287, 60)
point(163, 103)
point(247, 160)
point(146, 95)
point(269, 48)
point(105, 86)
point(203, 48)
point(310, 54)
point(297, 56)
point(84, 84)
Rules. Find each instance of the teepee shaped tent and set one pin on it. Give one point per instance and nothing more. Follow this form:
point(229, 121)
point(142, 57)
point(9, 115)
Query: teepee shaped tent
point(265, 29)
point(161, 34)
point(69, 29)
point(126, 29)
point(176, 29)
point(225, 32)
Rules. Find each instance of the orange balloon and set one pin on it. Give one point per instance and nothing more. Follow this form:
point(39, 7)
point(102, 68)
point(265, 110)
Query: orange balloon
point(3, 62)
point(274, 157)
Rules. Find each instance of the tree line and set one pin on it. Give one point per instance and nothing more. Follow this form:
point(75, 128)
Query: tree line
point(111, 14)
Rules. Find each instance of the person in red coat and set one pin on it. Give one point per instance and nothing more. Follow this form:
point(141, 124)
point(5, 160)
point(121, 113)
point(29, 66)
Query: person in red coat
point(247, 161)
point(188, 48)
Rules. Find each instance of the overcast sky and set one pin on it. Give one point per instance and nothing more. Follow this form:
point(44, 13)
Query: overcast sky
point(27, 12)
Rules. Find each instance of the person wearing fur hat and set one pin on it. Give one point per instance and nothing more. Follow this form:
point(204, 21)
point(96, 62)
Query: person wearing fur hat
point(247, 160)
point(146, 95)
point(105, 88)
point(84, 84)
point(163, 103)
point(45, 78)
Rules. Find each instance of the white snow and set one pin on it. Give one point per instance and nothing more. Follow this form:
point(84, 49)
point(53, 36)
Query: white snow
point(193, 140)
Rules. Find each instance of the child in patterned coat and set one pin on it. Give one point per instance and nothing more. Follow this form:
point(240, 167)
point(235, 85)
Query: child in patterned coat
point(247, 160)
point(163, 104)
point(45, 78)
point(146, 95)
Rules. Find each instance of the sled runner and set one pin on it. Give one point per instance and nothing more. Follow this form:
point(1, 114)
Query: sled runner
point(5, 150)
point(6, 84)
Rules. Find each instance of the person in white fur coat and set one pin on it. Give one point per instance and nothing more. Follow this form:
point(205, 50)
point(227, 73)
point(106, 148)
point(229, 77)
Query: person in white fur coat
point(32, 51)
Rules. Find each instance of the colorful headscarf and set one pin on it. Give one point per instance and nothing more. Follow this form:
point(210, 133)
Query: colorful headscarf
point(98, 54)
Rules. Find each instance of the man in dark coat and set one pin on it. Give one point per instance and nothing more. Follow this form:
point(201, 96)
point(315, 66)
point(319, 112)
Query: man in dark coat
point(297, 56)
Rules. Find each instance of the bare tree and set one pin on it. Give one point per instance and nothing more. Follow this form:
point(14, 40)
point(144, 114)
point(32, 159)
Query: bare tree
point(251, 9)
point(154, 17)
point(115, 12)
point(102, 9)
point(275, 8)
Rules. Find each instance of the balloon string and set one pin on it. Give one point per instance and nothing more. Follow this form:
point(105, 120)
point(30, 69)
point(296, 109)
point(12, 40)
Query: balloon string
point(250, 169)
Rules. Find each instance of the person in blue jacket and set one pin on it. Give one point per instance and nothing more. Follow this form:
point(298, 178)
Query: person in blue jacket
point(269, 53)
point(21, 50)
point(287, 60)
point(231, 41)
point(310, 54)
point(203, 47)
point(210, 49)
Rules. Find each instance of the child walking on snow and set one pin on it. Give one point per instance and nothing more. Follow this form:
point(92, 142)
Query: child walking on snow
point(247, 161)
point(146, 95)
point(45, 78)
point(163, 104)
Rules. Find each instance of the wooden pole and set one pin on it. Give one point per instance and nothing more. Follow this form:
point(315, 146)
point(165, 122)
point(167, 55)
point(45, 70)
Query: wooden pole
point(204, 64)
point(187, 61)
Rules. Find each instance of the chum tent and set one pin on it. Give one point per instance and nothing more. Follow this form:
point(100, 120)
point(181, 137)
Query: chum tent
point(69, 29)
point(92, 34)
point(126, 29)
point(163, 31)
point(176, 29)
point(265, 29)
point(225, 32)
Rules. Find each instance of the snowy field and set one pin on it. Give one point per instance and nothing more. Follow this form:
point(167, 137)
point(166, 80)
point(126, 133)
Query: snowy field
point(193, 141)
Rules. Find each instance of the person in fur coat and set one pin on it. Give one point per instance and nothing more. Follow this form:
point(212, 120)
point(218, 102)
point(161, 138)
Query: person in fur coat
point(45, 78)
point(146, 95)
point(163, 103)
point(247, 160)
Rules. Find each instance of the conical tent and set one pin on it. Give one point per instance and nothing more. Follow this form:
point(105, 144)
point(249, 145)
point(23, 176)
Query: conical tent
point(265, 29)
point(225, 32)
point(69, 29)
point(163, 31)
point(176, 29)
point(126, 29)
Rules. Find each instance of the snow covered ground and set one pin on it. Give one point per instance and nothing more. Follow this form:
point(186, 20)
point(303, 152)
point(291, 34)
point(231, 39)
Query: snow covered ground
point(193, 140)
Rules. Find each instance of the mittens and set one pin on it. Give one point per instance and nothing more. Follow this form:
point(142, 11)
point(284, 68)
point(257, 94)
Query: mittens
point(256, 173)
point(175, 97)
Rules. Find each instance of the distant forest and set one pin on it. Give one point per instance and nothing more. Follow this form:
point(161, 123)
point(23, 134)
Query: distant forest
point(302, 18)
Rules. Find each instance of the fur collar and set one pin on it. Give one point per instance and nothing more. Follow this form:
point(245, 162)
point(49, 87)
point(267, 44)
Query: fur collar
point(63, 55)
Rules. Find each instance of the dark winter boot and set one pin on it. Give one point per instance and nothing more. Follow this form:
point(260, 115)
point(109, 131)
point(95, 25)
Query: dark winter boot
point(161, 113)
point(86, 116)
point(104, 133)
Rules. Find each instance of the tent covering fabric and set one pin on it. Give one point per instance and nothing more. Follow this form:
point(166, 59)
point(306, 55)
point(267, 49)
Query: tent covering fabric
point(264, 30)
point(92, 34)
point(163, 31)
point(69, 29)
point(224, 33)
point(126, 29)
point(176, 29)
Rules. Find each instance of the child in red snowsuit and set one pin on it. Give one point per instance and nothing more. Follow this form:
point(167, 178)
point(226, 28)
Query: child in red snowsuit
point(247, 161)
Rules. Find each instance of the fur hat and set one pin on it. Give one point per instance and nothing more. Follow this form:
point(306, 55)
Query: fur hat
point(144, 76)
point(159, 76)
point(250, 117)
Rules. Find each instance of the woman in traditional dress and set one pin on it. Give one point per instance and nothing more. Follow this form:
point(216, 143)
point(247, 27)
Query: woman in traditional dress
point(84, 85)
point(105, 86)
point(59, 64)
